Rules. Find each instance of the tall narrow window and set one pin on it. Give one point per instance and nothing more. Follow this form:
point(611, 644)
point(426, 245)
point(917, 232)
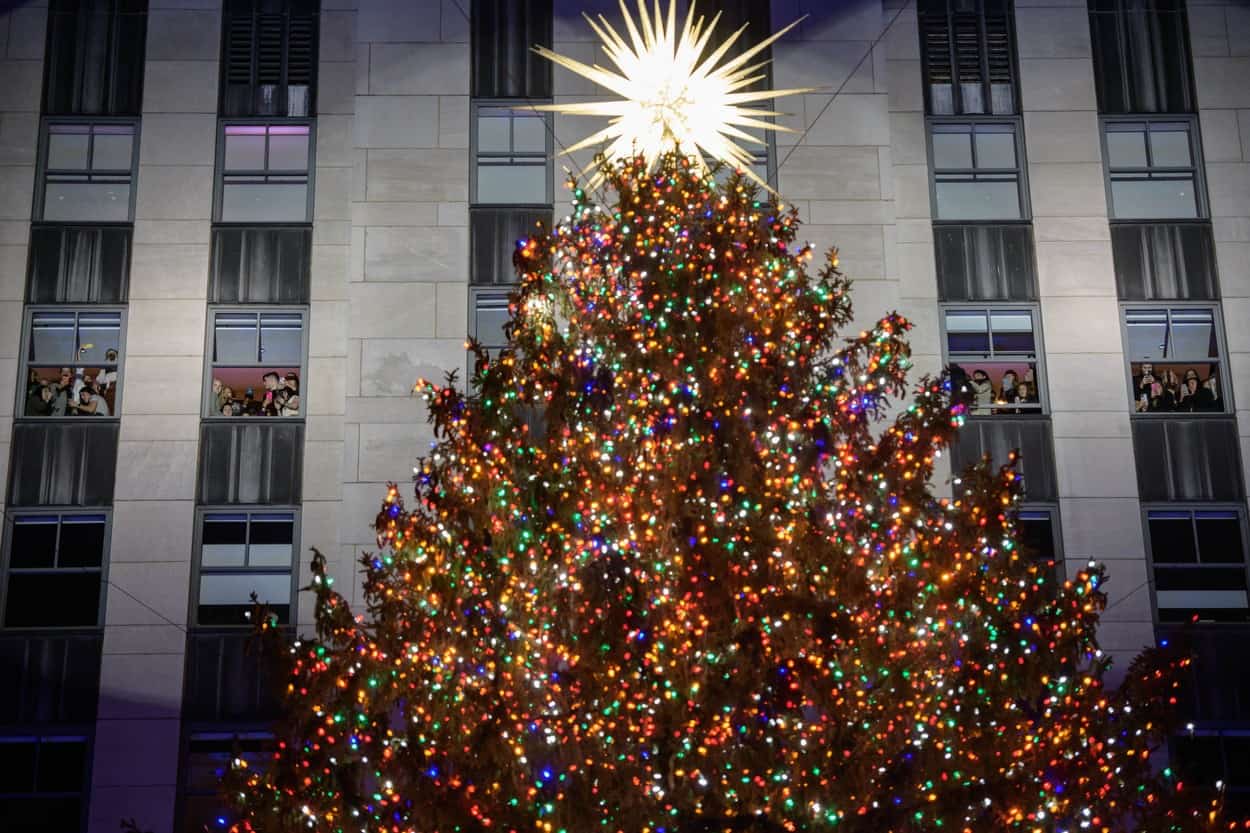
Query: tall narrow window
point(72, 363)
point(54, 573)
point(45, 783)
point(1199, 561)
point(241, 554)
point(968, 56)
point(995, 359)
point(269, 58)
point(257, 364)
point(86, 172)
point(1174, 360)
point(95, 58)
point(263, 174)
point(1141, 56)
point(503, 36)
point(1153, 169)
point(207, 759)
point(977, 170)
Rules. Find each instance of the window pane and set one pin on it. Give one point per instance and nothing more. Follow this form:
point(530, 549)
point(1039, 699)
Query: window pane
point(223, 541)
point(1219, 537)
point(529, 134)
point(113, 150)
point(1126, 148)
point(52, 338)
point(99, 336)
point(281, 338)
point(237, 588)
point(492, 132)
point(34, 541)
point(17, 764)
point(82, 541)
point(67, 147)
point(490, 317)
point(1193, 334)
point(967, 331)
point(952, 149)
point(273, 529)
point(288, 149)
point(986, 199)
point(996, 149)
point(1013, 331)
point(1167, 199)
point(106, 202)
point(1169, 146)
point(1172, 538)
point(77, 598)
point(235, 338)
point(1037, 535)
point(245, 148)
point(62, 765)
point(1147, 334)
point(521, 184)
point(264, 202)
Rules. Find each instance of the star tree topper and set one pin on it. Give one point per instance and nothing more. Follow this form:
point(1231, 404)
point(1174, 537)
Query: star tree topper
point(672, 94)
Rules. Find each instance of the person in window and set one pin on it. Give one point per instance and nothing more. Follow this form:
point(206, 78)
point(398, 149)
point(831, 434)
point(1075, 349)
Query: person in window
point(1187, 399)
point(91, 403)
point(290, 402)
point(250, 406)
point(220, 396)
point(61, 392)
point(961, 392)
point(1210, 400)
point(272, 403)
point(107, 376)
point(1172, 384)
point(1143, 369)
point(982, 392)
point(1152, 397)
point(1007, 392)
point(39, 401)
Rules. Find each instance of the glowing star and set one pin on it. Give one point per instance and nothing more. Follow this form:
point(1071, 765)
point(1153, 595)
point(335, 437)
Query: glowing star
point(671, 94)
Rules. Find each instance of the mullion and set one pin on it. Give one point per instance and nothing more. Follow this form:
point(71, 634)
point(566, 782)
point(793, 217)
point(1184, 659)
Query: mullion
point(247, 542)
point(957, 96)
point(1193, 530)
point(984, 52)
point(56, 552)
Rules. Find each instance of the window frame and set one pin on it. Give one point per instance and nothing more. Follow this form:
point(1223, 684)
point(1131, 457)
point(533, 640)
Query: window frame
point(1221, 361)
point(210, 363)
point(475, 106)
point(989, 307)
point(84, 737)
point(254, 48)
point(6, 570)
point(197, 561)
point(220, 173)
point(1147, 507)
point(42, 172)
point(1021, 169)
point(115, 52)
point(1100, 60)
point(24, 363)
point(948, 12)
point(1051, 509)
point(1196, 169)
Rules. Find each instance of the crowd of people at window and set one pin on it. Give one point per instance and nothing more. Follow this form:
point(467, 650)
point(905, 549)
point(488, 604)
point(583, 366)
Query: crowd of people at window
point(1014, 393)
point(1165, 391)
point(74, 391)
point(279, 397)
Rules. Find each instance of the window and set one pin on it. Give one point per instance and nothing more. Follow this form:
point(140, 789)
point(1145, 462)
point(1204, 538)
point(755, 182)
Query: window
point(1037, 531)
point(206, 762)
point(95, 58)
point(985, 262)
point(269, 57)
point(966, 48)
point(263, 174)
point(1152, 171)
point(87, 173)
point(1174, 360)
point(1164, 261)
point(50, 677)
point(242, 553)
point(257, 364)
point(1213, 756)
point(502, 37)
point(1141, 56)
point(1028, 437)
point(994, 358)
point(78, 265)
point(72, 363)
point(490, 316)
point(55, 570)
point(265, 265)
point(1199, 562)
point(512, 152)
point(59, 464)
point(251, 461)
point(977, 173)
point(44, 783)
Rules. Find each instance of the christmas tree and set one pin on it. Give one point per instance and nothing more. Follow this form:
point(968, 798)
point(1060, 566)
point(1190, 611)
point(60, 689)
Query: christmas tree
point(675, 564)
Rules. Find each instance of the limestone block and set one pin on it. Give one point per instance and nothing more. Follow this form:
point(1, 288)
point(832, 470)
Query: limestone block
point(151, 530)
point(417, 254)
point(183, 35)
point(397, 121)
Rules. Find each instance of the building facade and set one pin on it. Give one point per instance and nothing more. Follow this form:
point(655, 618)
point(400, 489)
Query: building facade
point(311, 204)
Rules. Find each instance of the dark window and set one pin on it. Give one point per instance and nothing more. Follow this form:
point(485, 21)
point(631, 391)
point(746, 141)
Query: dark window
point(967, 52)
point(263, 174)
point(998, 438)
point(72, 363)
point(95, 58)
point(1199, 560)
point(63, 464)
point(208, 759)
point(994, 357)
point(1152, 170)
point(503, 36)
point(1174, 359)
point(87, 169)
point(269, 58)
point(228, 678)
point(78, 265)
point(1037, 534)
point(262, 265)
point(1187, 458)
point(43, 783)
point(497, 233)
point(1208, 757)
point(55, 570)
point(1141, 56)
point(257, 366)
point(49, 677)
point(1164, 261)
point(242, 553)
point(251, 461)
point(985, 262)
point(977, 171)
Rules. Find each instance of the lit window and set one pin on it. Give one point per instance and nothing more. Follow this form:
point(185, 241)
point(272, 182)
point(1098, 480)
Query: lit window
point(264, 174)
point(994, 359)
point(1174, 360)
point(88, 169)
point(54, 570)
point(242, 553)
point(1152, 170)
point(72, 363)
point(257, 364)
